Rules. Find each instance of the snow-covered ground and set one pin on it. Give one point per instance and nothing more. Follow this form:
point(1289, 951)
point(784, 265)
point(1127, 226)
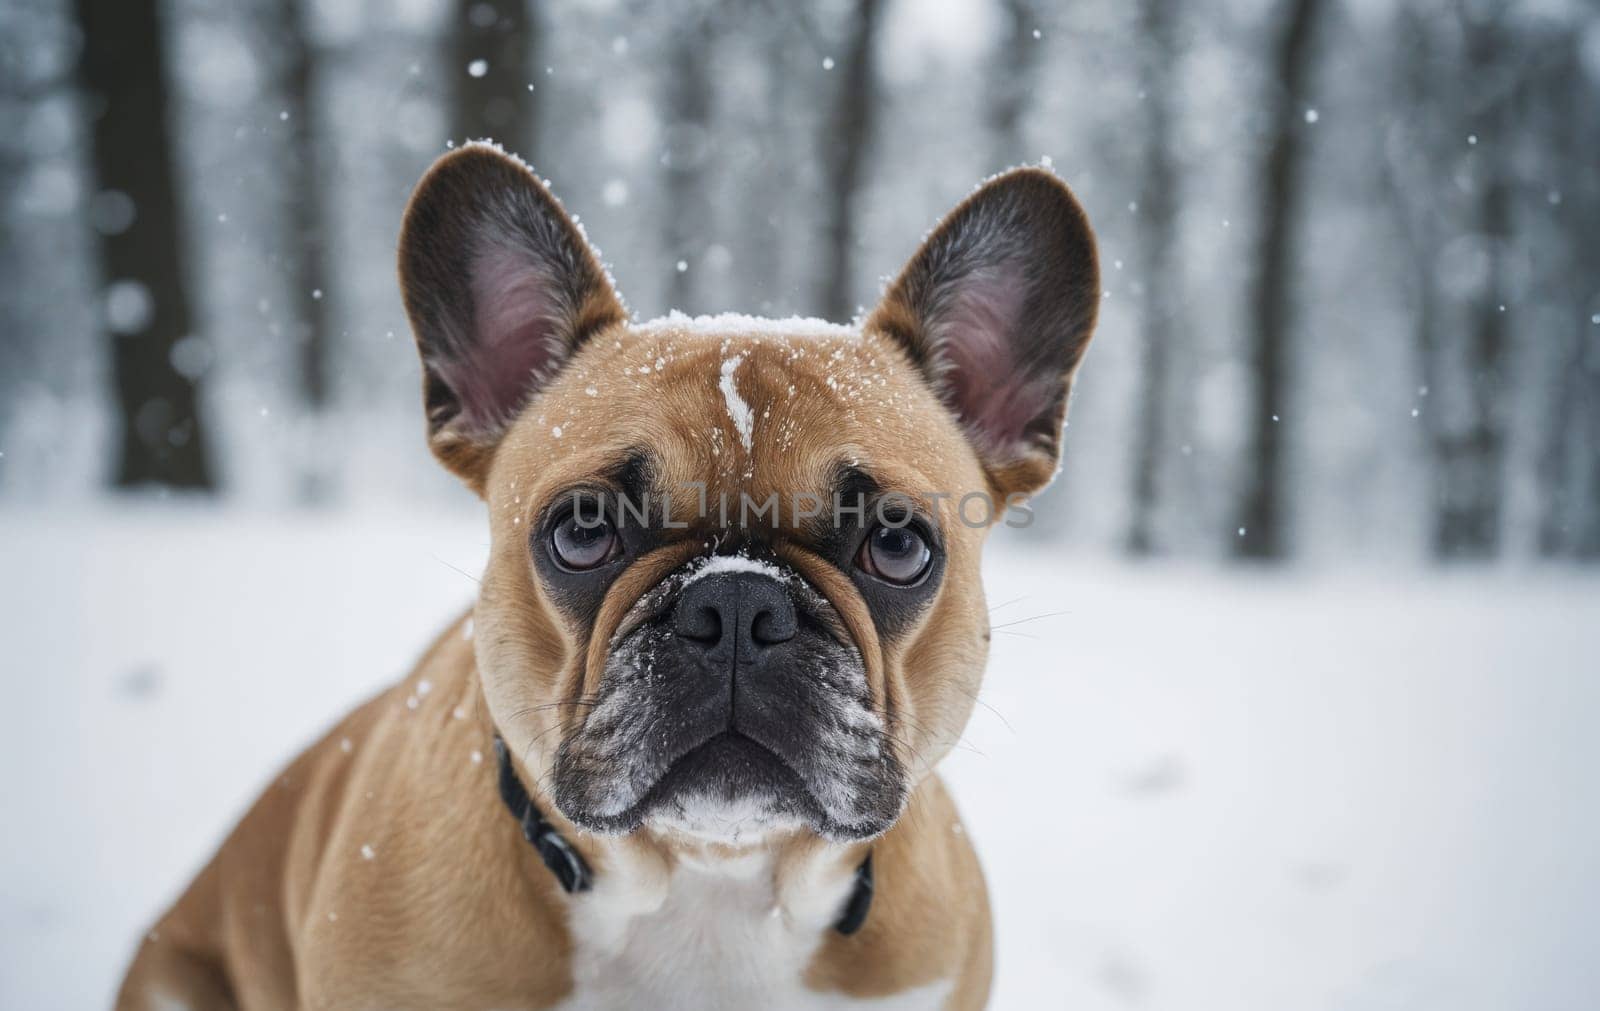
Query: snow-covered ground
point(1191, 789)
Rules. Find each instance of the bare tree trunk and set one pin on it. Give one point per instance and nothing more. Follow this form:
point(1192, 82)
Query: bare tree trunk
point(19, 359)
point(305, 240)
point(687, 115)
point(305, 234)
point(1412, 168)
point(122, 70)
point(1012, 82)
point(1587, 541)
point(1157, 275)
point(1261, 509)
point(492, 59)
point(1474, 477)
point(1557, 103)
point(844, 149)
point(1574, 433)
point(1564, 500)
point(765, 264)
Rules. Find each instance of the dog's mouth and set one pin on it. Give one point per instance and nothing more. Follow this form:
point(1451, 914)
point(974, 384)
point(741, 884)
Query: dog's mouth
point(729, 787)
point(663, 751)
point(724, 788)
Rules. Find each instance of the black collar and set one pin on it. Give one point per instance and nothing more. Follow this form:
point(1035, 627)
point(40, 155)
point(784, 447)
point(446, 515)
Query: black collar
point(569, 867)
point(566, 863)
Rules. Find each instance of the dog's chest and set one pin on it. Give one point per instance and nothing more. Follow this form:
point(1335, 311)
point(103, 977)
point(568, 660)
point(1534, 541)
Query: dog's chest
point(720, 940)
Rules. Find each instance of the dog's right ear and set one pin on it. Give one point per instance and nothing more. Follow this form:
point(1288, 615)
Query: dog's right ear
point(501, 288)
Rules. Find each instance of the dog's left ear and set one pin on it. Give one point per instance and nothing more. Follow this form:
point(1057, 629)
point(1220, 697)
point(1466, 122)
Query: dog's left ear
point(501, 288)
point(996, 309)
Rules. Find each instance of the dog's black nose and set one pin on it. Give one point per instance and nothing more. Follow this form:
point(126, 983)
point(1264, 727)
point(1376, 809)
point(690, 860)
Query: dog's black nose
point(741, 613)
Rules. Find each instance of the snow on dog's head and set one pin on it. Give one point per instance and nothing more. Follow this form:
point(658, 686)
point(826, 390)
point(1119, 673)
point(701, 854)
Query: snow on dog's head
point(734, 573)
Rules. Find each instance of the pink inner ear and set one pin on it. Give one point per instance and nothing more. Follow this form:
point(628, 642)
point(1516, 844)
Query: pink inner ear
point(996, 398)
point(516, 344)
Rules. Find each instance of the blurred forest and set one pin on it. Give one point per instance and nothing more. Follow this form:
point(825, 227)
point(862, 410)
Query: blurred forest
point(1351, 248)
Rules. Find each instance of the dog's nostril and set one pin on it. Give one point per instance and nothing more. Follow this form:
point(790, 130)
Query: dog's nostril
point(702, 624)
point(772, 627)
point(742, 612)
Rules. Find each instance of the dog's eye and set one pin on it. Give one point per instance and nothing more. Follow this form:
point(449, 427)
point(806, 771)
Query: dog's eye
point(896, 555)
point(582, 545)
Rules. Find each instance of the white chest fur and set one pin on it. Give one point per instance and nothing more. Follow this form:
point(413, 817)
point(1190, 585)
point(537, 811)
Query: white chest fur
point(718, 939)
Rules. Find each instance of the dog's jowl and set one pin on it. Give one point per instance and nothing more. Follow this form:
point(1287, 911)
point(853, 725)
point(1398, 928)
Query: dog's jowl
point(682, 752)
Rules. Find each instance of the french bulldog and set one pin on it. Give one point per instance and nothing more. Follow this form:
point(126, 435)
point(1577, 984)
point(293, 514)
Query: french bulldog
point(682, 751)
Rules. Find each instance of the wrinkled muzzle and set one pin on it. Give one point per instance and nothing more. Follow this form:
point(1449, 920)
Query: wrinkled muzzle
point(732, 692)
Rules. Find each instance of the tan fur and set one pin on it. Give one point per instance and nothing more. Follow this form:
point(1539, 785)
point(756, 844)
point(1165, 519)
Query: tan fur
point(382, 870)
point(455, 909)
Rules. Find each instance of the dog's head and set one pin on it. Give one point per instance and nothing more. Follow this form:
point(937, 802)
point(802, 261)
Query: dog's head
point(733, 582)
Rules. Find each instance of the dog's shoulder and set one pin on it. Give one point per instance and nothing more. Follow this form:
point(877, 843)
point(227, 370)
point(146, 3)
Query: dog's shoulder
point(383, 912)
point(330, 888)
